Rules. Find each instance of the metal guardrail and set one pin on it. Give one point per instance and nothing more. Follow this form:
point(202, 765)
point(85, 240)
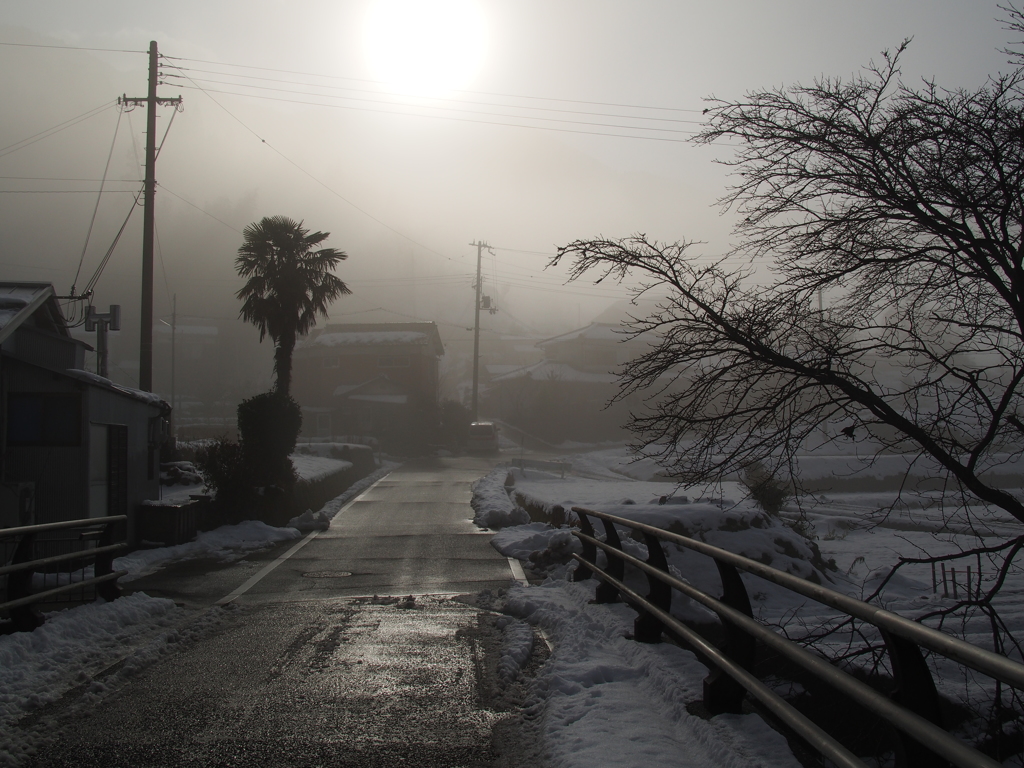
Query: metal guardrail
point(913, 708)
point(20, 600)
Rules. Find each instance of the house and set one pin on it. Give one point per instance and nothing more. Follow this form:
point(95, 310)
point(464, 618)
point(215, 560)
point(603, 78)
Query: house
point(566, 395)
point(74, 444)
point(374, 379)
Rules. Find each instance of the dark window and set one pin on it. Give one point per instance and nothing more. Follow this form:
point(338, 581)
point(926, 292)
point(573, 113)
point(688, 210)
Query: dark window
point(393, 361)
point(44, 419)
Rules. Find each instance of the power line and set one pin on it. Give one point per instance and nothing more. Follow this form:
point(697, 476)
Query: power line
point(208, 91)
point(30, 140)
point(206, 213)
point(457, 109)
point(422, 101)
point(314, 178)
point(106, 258)
point(549, 254)
point(71, 48)
point(478, 93)
point(99, 196)
point(59, 191)
point(65, 178)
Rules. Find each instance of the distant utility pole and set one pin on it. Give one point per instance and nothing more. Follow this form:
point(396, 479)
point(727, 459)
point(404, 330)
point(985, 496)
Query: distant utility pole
point(149, 218)
point(476, 326)
point(94, 321)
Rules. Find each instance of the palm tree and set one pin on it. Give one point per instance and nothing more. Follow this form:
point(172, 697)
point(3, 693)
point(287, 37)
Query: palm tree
point(288, 284)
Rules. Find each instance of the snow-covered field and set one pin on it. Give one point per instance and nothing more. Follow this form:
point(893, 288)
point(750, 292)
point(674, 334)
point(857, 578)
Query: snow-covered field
point(597, 683)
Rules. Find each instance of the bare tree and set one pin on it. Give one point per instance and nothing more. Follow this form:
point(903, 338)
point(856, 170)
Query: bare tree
point(905, 207)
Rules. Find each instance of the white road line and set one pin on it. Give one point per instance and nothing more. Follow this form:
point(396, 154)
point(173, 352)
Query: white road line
point(517, 571)
point(254, 580)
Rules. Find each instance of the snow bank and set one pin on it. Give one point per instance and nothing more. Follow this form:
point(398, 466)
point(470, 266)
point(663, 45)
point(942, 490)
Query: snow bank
point(516, 647)
point(227, 544)
point(540, 544)
point(312, 468)
point(608, 701)
point(739, 527)
point(331, 507)
point(492, 505)
point(71, 649)
point(310, 521)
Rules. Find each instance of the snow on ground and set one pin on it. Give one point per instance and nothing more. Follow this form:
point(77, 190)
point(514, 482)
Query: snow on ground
point(491, 504)
point(845, 541)
point(316, 467)
point(225, 544)
point(77, 650)
point(607, 701)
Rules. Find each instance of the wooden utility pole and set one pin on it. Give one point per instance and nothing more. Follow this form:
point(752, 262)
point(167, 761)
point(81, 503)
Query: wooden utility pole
point(476, 329)
point(174, 347)
point(149, 218)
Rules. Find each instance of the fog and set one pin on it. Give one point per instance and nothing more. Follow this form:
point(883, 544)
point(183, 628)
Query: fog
point(403, 186)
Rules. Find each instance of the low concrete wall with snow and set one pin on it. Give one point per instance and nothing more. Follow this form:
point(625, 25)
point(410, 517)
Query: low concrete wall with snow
point(321, 478)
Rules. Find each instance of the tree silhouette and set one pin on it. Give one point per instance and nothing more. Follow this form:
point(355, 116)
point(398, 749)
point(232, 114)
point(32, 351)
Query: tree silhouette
point(904, 206)
point(288, 284)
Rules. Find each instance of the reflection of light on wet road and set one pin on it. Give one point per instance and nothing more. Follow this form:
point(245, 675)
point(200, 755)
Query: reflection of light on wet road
point(342, 682)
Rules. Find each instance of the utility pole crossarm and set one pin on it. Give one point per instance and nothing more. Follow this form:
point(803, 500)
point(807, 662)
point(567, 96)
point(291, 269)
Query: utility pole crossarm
point(142, 101)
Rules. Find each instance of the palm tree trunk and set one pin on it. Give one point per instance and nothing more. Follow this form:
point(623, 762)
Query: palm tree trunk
point(283, 362)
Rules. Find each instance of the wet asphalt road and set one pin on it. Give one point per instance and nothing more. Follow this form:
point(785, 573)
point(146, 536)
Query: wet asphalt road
point(307, 668)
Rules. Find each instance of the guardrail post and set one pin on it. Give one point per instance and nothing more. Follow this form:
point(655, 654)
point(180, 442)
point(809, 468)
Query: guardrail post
point(104, 564)
point(606, 593)
point(25, 618)
point(721, 692)
point(915, 690)
point(647, 628)
point(582, 573)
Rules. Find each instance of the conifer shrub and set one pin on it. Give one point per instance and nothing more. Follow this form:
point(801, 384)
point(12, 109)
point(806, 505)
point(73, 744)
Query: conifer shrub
point(268, 427)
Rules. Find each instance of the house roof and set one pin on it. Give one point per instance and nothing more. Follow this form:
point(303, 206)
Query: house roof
point(552, 371)
point(375, 334)
point(135, 394)
point(20, 300)
point(379, 389)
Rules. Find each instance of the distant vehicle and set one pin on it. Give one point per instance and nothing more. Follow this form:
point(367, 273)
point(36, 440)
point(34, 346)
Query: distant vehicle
point(482, 437)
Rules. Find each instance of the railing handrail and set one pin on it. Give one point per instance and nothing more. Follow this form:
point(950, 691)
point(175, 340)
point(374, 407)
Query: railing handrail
point(13, 567)
point(41, 527)
point(19, 598)
point(905, 720)
point(992, 664)
point(36, 597)
point(792, 717)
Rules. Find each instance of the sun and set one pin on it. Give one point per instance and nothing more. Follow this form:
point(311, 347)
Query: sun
point(425, 47)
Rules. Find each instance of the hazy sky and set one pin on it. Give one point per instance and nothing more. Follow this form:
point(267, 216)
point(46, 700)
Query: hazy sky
point(404, 182)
